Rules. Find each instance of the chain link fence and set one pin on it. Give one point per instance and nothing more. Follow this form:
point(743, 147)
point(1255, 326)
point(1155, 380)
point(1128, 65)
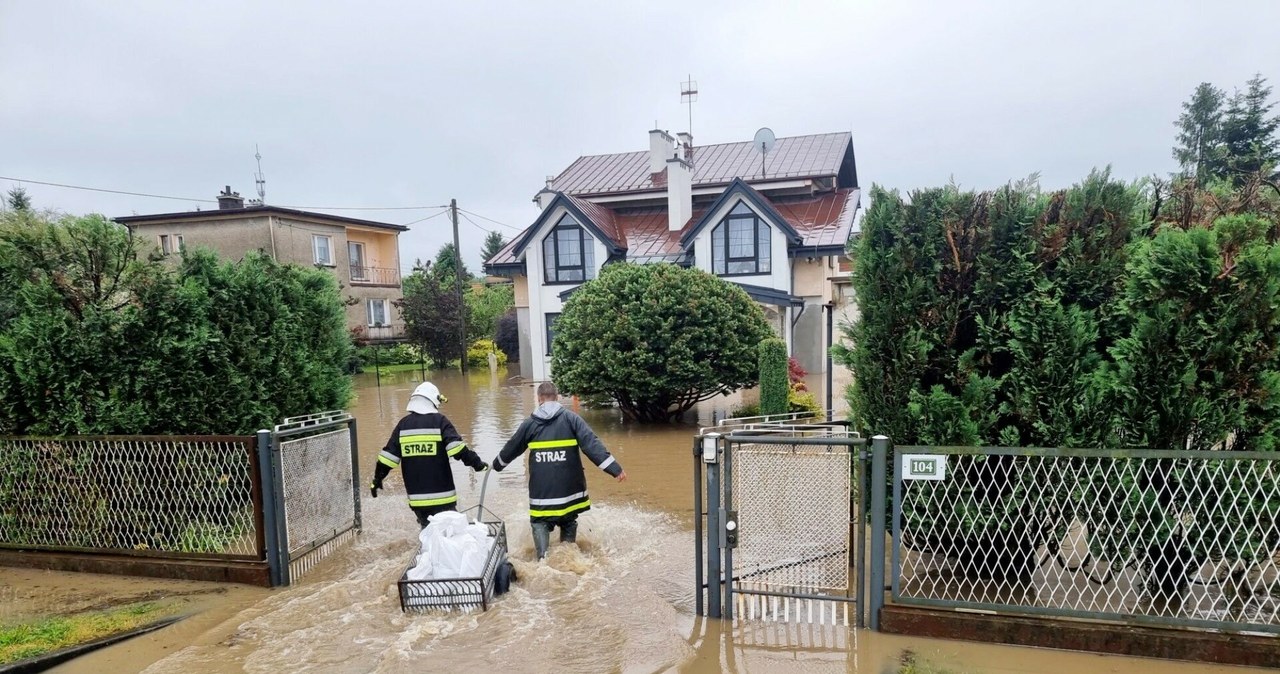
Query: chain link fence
point(1165, 537)
point(316, 460)
point(178, 495)
point(794, 507)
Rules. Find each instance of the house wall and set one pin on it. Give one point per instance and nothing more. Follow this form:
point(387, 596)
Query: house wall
point(779, 276)
point(545, 299)
point(228, 238)
point(380, 248)
point(780, 268)
point(232, 238)
point(812, 284)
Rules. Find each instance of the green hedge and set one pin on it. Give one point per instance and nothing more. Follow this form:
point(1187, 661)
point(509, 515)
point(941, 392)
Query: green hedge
point(94, 340)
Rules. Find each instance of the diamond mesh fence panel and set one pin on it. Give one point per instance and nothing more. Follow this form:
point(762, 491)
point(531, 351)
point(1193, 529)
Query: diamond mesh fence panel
point(170, 494)
point(793, 504)
point(318, 502)
point(1184, 538)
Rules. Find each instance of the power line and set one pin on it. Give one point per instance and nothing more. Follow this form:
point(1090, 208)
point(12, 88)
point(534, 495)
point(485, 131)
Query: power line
point(100, 189)
point(214, 201)
point(473, 223)
point(435, 215)
point(501, 224)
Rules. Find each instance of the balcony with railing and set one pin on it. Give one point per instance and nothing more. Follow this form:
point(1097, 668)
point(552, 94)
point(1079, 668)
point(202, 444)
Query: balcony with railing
point(374, 276)
point(374, 334)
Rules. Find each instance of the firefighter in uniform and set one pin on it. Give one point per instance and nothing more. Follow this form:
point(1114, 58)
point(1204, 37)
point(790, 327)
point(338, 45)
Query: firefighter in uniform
point(556, 439)
point(421, 445)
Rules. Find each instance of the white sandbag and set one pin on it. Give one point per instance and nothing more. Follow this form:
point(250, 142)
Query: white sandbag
point(452, 548)
point(421, 570)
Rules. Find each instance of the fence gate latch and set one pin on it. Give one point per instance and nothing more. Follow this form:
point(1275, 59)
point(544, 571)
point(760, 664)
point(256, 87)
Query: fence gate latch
point(731, 529)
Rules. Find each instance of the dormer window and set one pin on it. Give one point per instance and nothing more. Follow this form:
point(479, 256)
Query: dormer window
point(568, 253)
point(740, 244)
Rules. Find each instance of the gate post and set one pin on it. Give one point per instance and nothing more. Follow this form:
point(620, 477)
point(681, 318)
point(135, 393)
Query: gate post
point(282, 527)
point(713, 523)
point(266, 474)
point(697, 525)
point(879, 461)
point(355, 470)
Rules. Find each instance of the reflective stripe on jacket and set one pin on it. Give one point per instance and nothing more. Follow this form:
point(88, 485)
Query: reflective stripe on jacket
point(556, 439)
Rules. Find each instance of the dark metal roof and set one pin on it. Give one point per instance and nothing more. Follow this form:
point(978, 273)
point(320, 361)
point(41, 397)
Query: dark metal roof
point(762, 206)
point(774, 296)
point(255, 210)
point(795, 157)
point(597, 219)
point(822, 224)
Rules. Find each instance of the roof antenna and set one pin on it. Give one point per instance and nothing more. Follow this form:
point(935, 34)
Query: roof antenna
point(259, 179)
point(689, 94)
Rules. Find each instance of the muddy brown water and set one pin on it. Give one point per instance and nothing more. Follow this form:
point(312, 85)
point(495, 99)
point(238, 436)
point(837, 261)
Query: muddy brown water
point(622, 601)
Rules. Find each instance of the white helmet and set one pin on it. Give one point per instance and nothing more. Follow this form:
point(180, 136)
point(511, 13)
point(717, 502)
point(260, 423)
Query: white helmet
point(426, 399)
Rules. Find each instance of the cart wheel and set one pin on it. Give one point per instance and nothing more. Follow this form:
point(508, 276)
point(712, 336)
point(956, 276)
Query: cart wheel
point(505, 576)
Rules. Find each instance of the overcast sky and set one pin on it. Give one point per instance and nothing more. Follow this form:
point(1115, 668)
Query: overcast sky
point(409, 104)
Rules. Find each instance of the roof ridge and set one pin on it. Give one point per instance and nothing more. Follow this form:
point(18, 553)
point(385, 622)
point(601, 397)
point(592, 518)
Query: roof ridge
point(696, 147)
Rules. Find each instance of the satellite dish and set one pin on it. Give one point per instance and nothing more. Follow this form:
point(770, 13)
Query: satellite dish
point(763, 143)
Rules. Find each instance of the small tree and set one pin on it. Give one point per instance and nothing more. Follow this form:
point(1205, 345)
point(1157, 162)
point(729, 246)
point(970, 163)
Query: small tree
point(432, 316)
point(18, 200)
point(507, 335)
point(484, 306)
point(492, 244)
point(1200, 133)
point(773, 377)
point(1249, 132)
point(657, 339)
point(445, 264)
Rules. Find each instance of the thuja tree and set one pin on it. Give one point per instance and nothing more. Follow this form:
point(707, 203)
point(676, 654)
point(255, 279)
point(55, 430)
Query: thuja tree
point(657, 339)
point(984, 318)
point(1070, 319)
point(95, 340)
point(1197, 368)
point(774, 381)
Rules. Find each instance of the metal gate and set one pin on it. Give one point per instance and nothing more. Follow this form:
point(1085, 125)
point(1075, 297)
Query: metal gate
point(783, 539)
point(314, 507)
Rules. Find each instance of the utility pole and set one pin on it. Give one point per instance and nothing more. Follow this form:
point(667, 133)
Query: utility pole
point(457, 274)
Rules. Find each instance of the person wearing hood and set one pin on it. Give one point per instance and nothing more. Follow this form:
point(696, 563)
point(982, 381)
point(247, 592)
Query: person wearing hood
point(556, 438)
point(421, 445)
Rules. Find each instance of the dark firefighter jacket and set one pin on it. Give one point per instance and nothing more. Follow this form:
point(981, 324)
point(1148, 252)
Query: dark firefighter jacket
point(554, 437)
point(421, 445)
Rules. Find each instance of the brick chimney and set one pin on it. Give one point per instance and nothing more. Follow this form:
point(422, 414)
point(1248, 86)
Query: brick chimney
point(228, 200)
point(661, 148)
point(679, 193)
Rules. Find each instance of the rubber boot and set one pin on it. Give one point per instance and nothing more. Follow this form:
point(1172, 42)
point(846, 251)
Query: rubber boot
point(569, 531)
point(541, 538)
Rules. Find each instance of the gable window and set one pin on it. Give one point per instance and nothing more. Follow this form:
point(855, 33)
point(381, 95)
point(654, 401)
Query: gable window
point(322, 246)
point(568, 253)
point(551, 330)
point(378, 316)
point(740, 244)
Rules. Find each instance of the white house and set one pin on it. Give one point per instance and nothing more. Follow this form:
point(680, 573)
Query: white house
point(778, 228)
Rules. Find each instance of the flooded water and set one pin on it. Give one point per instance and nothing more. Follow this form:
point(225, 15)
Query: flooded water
point(621, 601)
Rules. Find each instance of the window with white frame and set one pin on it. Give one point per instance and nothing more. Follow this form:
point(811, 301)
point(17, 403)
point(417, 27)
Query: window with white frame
point(740, 244)
point(166, 244)
point(568, 253)
point(322, 246)
point(378, 313)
